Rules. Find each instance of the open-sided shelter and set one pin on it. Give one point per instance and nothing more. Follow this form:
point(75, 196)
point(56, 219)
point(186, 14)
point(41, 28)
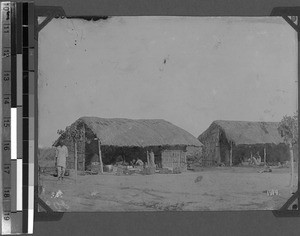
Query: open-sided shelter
point(231, 142)
point(129, 139)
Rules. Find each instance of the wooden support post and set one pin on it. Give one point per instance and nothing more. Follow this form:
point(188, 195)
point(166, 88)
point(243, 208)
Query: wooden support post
point(265, 156)
point(218, 155)
point(100, 157)
point(84, 148)
point(292, 166)
point(76, 160)
point(230, 160)
point(172, 165)
point(218, 149)
point(148, 159)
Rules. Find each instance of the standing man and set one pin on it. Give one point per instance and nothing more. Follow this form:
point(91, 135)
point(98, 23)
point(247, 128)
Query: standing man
point(61, 159)
point(151, 157)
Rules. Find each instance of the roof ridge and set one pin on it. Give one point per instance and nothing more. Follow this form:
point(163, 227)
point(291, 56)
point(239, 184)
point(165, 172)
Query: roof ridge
point(245, 121)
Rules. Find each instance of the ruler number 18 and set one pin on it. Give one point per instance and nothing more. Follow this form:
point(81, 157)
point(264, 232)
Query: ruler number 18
point(6, 76)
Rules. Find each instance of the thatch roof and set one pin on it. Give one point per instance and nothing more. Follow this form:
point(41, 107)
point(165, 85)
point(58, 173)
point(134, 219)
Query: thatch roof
point(139, 133)
point(245, 132)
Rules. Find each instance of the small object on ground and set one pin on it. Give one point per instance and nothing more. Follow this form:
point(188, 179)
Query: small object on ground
point(53, 194)
point(176, 170)
point(108, 168)
point(165, 171)
point(94, 193)
point(198, 179)
point(245, 163)
point(272, 192)
point(43, 190)
point(128, 172)
point(265, 170)
point(95, 168)
point(67, 173)
point(119, 170)
point(81, 173)
point(279, 164)
point(58, 194)
point(148, 171)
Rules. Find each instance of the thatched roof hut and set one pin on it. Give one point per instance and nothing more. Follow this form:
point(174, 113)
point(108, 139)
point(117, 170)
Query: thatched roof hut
point(119, 134)
point(137, 133)
point(246, 132)
point(241, 139)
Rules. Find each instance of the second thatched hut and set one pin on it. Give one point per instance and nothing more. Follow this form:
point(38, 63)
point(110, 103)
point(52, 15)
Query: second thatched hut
point(232, 142)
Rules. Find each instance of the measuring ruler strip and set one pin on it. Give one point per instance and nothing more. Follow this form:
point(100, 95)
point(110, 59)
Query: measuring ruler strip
point(18, 116)
point(16, 122)
point(6, 126)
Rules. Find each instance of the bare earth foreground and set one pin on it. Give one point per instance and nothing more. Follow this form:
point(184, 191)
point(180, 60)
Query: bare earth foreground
point(215, 189)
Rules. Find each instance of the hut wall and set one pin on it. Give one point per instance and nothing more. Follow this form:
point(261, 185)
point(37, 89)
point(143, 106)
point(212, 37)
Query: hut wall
point(224, 150)
point(174, 159)
point(80, 154)
point(211, 148)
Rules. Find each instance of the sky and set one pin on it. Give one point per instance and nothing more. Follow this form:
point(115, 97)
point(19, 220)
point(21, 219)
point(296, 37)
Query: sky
point(189, 71)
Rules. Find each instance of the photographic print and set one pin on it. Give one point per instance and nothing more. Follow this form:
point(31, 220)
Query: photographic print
point(167, 113)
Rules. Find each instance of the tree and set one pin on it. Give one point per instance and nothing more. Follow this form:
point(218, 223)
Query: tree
point(288, 129)
point(75, 134)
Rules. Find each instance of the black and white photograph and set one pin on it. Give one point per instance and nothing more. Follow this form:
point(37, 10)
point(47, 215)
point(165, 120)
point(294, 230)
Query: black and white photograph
point(167, 113)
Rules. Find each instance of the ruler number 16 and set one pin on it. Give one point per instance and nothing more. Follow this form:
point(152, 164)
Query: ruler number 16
point(6, 147)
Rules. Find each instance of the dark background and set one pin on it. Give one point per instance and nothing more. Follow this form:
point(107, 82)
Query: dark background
point(170, 223)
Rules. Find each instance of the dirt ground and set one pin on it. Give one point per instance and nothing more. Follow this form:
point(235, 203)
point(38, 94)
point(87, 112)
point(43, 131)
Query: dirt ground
point(209, 189)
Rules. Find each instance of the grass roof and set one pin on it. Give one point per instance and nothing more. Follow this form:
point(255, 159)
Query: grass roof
point(246, 132)
point(139, 133)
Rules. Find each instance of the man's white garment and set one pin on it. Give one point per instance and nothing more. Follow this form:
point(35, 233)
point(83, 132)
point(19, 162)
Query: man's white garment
point(61, 154)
